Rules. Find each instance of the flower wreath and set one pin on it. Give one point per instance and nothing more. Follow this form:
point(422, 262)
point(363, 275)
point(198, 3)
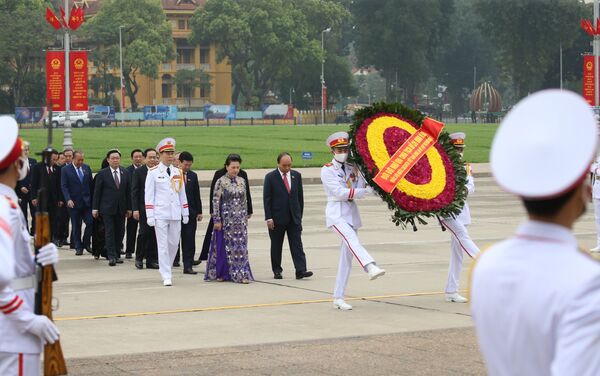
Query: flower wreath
point(434, 186)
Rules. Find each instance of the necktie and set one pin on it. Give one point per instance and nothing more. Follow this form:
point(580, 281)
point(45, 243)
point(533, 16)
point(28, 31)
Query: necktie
point(49, 170)
point(116, 177)
point(80, 173)
point(286, 183)
point(184, 178)
point(169, 171)
point(343, 167)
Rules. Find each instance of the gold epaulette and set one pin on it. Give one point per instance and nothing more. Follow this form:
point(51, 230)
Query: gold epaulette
point(152, 168)
point(12, 204)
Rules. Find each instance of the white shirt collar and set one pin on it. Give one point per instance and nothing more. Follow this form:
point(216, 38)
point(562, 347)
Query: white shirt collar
point(546, 231)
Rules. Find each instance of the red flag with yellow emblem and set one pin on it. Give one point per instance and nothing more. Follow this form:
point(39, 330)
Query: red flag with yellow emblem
point(76, 18)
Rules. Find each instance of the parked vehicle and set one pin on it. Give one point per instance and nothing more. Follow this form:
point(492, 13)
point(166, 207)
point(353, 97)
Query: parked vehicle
point(101, 116)
point(78, 119)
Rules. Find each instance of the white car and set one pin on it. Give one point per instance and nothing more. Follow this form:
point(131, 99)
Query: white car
point(78, 119)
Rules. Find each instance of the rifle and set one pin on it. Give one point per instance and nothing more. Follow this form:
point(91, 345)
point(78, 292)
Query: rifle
point(54, 361)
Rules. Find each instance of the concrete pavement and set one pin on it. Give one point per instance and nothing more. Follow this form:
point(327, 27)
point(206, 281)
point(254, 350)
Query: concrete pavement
point(122, 321)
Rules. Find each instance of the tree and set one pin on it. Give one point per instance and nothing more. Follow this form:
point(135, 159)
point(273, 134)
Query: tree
point(527, 35)
point(147, 39)
point(192, 79)
point(22, 53)
point(270, 44)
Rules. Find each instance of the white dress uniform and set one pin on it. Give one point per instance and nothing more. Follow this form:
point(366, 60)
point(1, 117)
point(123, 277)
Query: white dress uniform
point(535, 298)
point(595, 170)
point(460, 241)
point(343, 184)
point(166, 204)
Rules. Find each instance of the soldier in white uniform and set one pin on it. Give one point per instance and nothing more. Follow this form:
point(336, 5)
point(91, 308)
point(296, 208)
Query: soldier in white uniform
point(595, 171)
point(460, 241)
point(166, 207)
point(535, 298)
point(22, 333)
point(343, 184)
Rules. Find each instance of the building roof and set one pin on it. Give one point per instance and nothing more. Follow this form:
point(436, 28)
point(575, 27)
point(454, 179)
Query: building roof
point(93, 6)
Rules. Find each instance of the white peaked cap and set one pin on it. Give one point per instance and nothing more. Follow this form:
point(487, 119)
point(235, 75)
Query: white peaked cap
point(544, 145)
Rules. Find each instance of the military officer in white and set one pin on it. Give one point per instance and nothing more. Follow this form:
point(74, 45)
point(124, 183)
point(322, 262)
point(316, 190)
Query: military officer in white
point(22, 333)
point(460, 241)
point(166, 206)
point(595, 171)
point(535, 298)
point(343, 184)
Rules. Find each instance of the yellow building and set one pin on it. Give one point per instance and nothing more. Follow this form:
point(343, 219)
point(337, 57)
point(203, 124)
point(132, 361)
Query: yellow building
point(163, 90)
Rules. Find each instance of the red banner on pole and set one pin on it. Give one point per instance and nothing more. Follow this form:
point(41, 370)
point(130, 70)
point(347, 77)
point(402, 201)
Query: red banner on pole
point(79, 80)
point(55, 79)
point(324, 97)
point(588, 79)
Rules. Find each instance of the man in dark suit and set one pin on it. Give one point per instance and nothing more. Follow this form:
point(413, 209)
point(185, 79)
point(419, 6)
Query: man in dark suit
point(76, 184)
point(146, 240)
point(283, 200)
point(209, 229)
point(23, 189)
point(64, 211)
point(112, 201)
point(137, 161)
point(188, 231)
point(55, 199)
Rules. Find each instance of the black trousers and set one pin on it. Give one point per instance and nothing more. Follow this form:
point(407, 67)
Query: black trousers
point(114, 228)
point(294, 232)
point(146, 243)
point(62, 224)
point(188, 242)
point(207, 238)
point(132, 229)
point(24, 204)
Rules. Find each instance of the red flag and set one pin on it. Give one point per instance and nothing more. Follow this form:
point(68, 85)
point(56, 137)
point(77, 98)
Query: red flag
point(76, 18)
point(62, 17)
point(52, 19)
point(597, 30)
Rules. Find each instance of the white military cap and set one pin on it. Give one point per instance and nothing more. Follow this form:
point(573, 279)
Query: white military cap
point(458, 139)
point(338, 139)
point(10, 144)
point(544, 145)
point(166, 144)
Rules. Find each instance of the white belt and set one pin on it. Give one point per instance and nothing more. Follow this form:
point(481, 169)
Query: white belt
point(24, 283)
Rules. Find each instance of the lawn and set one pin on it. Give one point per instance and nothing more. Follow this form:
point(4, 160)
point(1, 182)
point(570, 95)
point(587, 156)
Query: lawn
point(258, 145)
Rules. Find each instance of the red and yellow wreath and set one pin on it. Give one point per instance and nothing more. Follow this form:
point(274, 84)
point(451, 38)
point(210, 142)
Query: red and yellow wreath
point(432, 185)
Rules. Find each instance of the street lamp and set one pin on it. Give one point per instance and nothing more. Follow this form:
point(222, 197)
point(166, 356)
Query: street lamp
point(121, 69)
point(323, 75)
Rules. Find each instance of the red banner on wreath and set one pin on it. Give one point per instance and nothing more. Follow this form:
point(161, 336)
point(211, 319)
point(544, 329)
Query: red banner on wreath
point(55, 79)
point(589, 90)
point(79, 80)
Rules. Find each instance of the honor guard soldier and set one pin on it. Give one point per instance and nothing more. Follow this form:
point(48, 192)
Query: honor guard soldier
point(457, 226)
point(166, 206)
point(535, 298)
point(595, 172)
point(22, 332)
point(343, 184)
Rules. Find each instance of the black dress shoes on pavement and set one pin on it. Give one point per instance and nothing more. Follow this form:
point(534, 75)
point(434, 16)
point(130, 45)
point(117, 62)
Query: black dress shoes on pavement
point(79, 252)
point(119, 261)
point(128, 255)
point(151, 265)
point(197, 262)
point(176, 264)
point(277, 276)
point(139, 264)
point(189, 271)
point(306, 274)
point(112, 262)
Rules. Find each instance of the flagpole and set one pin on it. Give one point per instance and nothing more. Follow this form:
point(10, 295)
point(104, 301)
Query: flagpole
point(68, 134)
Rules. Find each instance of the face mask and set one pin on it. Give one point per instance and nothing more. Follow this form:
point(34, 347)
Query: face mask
point(341, 157)
point(24, 168)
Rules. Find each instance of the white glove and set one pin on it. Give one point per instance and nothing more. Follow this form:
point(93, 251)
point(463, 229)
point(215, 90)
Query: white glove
point(370, 190)
point(48, 255)
point(151, 222)
point(186, 219)
point(42, 327)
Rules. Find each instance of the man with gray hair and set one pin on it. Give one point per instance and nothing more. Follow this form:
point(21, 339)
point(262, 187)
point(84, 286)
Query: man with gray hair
point(23, 188)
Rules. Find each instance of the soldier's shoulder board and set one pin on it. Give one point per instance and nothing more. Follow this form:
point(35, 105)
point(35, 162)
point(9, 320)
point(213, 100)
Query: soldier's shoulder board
point(13, 205)
point(328, 164)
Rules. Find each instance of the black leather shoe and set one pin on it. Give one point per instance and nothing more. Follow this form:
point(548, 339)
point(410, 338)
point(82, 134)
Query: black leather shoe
point(119, 261)
point(176, 264)
point(128, 256)
point(151, 265)
point(189, 271)
point(112, 262)
point(277, 276)
point(96, 257)
point(139, 264)
point(88, 250)
point(197, 262)
point(79, 252)
point(300, 275)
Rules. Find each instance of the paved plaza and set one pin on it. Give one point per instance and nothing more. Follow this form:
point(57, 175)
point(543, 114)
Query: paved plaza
point(122, 321)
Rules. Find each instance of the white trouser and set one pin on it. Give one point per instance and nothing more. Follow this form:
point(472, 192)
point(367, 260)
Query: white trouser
point(350, 248)
point(167, 239)
point(19, 364)
point(597, 215)
point(460, 242)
